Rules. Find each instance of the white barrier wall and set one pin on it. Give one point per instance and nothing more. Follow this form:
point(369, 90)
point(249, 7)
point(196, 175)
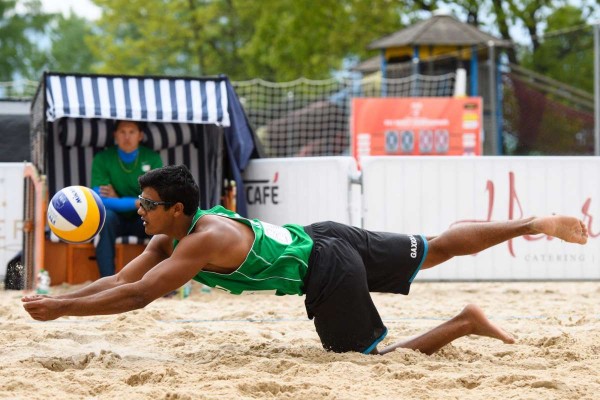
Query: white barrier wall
point(427, 194)
point(411, 195)
point(11, 212)
point(301, 190)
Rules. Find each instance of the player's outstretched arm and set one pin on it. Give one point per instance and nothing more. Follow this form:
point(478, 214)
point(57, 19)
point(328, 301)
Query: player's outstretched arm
point(166, 276)
point(50, 307)
point(156, 251)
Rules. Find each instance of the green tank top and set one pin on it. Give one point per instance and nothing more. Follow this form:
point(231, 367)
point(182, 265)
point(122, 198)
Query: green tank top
point(278, 259)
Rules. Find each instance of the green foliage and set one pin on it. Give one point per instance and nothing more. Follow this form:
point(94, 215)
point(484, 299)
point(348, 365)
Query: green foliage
point(270, 39)
point(142, 37)
point(567, 55)
point(277, 40)
point(19, 53)
point(294, 39)
point(32, 41)
point(69, 51)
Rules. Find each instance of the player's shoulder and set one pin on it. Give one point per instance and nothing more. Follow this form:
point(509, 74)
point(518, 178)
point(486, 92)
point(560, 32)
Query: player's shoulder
point(213, 227)
point(208, 223)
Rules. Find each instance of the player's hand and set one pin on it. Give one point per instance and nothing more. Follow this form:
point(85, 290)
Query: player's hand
point(42, 307)
point(108, 191)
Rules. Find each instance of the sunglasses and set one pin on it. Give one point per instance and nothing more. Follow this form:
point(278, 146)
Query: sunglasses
point(149, 205)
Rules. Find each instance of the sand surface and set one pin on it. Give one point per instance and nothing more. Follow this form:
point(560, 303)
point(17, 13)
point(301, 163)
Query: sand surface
point(216, 345)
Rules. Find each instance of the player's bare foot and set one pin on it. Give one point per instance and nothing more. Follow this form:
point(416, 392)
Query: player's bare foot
point(569, 229)
point(482, 326)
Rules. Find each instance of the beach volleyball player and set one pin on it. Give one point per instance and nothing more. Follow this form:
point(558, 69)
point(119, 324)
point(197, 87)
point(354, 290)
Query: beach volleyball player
point(335, 266)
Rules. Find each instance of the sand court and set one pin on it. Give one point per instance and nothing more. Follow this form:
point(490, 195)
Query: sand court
point(216, 345)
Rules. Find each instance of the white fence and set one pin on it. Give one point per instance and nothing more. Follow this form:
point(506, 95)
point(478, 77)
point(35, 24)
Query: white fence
point(411, 195)
point(11, 212)
point(302, 190)
point(427, 194)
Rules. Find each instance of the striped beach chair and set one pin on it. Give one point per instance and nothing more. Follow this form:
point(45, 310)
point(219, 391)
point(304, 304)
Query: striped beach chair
point(198, 122)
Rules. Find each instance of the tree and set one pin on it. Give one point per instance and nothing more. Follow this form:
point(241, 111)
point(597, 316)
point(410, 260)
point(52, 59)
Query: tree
point(567, 52)
point(292, 38)
point(540, 119)
point(32, 41)
point(508, 18)
point(20, 56)
point(141, 37)
point(553, 124)
point(69, 51)
point(270, 39)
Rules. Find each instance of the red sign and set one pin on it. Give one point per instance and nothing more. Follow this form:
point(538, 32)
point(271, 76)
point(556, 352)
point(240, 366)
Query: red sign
point(416, 126)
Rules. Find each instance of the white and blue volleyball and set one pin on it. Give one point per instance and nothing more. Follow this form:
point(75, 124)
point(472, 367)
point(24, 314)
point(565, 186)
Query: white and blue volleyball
point(76, 214)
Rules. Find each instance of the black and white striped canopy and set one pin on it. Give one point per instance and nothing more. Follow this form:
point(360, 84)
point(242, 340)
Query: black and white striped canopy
point(198, 122)
point(183, 100)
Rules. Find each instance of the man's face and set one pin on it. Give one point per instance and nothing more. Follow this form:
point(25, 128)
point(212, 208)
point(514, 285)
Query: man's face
point(156, 217)
point(128, 136)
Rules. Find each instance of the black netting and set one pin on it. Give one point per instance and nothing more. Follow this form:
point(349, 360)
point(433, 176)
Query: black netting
point(539, 122)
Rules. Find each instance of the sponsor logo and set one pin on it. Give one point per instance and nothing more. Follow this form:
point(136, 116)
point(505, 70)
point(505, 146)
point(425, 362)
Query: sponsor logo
point(52, 217)
point(515, 211)
point(408, 141)
point(413, 246)
point(559, 258)
point(76, 196)
point(442, 140)
point(277, 233)
point(262, 191)
point(391, 141)
point(425, 141)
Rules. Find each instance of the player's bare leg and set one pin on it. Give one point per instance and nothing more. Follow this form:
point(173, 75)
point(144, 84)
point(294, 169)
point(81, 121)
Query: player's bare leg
point(470, 321)
point(473, 237)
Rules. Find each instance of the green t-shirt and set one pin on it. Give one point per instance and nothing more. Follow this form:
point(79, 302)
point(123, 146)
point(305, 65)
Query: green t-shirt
point(278, 259)
point(108, 168)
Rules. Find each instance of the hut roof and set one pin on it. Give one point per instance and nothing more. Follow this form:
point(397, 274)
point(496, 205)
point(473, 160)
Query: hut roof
point(438, 30)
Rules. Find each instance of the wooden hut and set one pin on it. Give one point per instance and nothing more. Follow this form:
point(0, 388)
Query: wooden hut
point(443, 44)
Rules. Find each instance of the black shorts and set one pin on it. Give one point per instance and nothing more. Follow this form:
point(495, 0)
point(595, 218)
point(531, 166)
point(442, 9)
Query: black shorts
point(346, 263)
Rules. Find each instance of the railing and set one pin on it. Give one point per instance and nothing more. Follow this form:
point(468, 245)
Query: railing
point(577, 97)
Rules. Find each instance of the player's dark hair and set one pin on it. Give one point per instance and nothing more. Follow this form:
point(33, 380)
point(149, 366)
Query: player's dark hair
point(174, 184)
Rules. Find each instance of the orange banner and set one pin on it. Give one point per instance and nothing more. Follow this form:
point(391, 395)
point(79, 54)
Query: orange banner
point(416, 126)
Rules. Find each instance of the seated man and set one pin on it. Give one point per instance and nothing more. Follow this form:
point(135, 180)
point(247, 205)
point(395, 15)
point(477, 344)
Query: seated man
point(115, 173)
point(334, 265)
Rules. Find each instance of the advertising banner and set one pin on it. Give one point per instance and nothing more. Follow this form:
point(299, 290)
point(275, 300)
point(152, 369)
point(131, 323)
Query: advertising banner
point(444, 126)
point(301, 190)
point(428, 195)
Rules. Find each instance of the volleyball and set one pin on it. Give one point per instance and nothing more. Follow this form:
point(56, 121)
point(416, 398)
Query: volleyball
point(76, 214)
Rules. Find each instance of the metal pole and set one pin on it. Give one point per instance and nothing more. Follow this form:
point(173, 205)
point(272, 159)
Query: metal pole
point(492, 136)
point(415, 90)
point(383, 74)
point(597, 89)
point(474, 72)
